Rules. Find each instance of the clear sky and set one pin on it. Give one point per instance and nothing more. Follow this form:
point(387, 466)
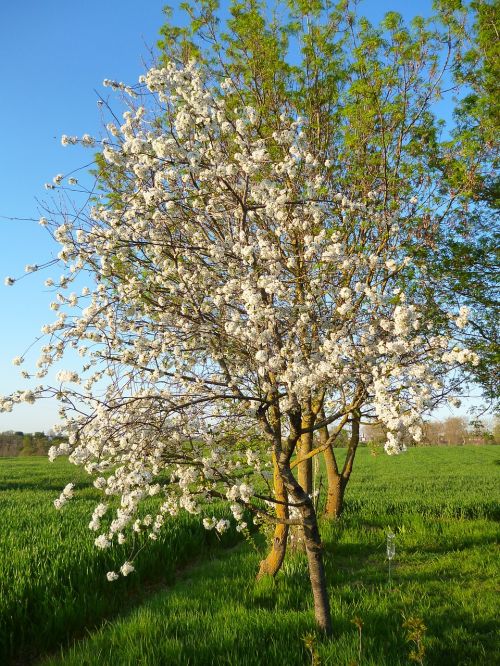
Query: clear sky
point(53, 56)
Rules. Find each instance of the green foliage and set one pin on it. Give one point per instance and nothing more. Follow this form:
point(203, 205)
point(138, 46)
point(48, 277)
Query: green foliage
point(342, 440)
point(369, 95)
point(28, 447)
point(465, 262)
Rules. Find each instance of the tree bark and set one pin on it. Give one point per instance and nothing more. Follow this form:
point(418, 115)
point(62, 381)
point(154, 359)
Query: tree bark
point(317, 574)
point(314, 549)
point(274, 560)
point(337, 481)
point(283, 451)
point(335, 496)
point(305, 474)
point(305, 468)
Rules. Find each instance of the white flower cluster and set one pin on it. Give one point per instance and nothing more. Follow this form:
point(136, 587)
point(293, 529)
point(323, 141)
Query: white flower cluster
point(99, 512)
point(67, 376)
point(118, 85)
point(85, 140)
point(220, 526)
point(461, 356)
point(463, 317)
point(66, 495)
point(243, 491)
point(230, 282)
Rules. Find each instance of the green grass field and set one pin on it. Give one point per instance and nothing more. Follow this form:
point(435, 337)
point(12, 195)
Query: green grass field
point(195, 602)
point(52, 578)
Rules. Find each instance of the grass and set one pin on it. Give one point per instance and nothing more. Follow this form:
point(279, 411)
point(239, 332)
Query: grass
point(52, 578)
point(441, 503)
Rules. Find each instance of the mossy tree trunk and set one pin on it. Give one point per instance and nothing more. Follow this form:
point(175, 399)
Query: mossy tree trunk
point(272, 563)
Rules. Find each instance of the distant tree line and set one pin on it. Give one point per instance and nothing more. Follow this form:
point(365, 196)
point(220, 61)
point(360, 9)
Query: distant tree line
point(453, 431)
point(18, 443)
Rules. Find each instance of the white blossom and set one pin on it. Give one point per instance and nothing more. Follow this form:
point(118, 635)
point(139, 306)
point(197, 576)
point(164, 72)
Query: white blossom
point(67, 376)
point(127, 568)
point(102, 541)
point(222, 526)
point(463, 317)
point(209, 523)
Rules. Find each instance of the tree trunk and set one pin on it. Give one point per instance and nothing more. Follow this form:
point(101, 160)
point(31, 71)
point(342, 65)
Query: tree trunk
point(337, 481)
point(305, 475)
point(317, 574)
point(305, 468)
point(335, 496)
point(274, 560)
point(314, 549)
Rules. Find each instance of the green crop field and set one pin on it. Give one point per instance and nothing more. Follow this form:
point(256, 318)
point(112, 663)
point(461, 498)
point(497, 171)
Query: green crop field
point(194, 600)
point(53, 582)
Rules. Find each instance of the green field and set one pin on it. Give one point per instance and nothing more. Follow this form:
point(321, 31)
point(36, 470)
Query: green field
point(194, 600)
point(52, 578)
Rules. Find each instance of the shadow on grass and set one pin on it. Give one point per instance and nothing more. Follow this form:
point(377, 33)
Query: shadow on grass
point(463, 639)
point(209, 617)
point(347, 552)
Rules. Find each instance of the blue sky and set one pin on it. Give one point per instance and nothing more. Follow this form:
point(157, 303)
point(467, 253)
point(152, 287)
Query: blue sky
point(54, 54)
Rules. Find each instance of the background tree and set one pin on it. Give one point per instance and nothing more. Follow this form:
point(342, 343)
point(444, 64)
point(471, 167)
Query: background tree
point(496, 430)
point(10, 443)
point(369, 92)
point(454, 430)
point(480, 433)
point(464, 262)
point(28, 448)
